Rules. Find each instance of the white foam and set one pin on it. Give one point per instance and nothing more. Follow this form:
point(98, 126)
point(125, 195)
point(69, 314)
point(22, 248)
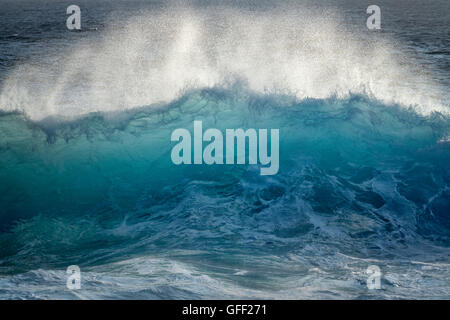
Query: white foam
point(153, 57)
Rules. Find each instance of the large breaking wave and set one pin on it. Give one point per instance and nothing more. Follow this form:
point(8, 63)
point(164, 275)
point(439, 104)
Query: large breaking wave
point(356, 177)
point(87, 177)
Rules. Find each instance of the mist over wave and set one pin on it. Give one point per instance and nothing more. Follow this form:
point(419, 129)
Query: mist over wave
point(157, 55)
point(87, 178)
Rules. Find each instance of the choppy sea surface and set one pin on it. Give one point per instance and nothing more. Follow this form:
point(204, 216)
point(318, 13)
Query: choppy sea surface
point(86, 176)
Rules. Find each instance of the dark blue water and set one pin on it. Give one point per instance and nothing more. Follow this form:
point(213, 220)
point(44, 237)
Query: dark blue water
point(87, 179)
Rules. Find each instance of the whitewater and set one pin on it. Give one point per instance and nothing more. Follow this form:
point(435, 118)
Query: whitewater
point(85, 153)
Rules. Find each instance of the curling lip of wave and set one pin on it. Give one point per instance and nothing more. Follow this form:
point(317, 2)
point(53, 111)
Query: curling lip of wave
point(156, 56)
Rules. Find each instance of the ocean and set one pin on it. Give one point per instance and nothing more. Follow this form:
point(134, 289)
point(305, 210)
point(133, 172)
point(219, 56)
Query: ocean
point(86, 176)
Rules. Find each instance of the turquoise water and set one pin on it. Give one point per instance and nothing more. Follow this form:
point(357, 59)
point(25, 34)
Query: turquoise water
point(364, 173)
point(357, 179)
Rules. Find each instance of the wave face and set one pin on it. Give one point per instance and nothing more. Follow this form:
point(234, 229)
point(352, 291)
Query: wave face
point(359, 181)
point(87, 178)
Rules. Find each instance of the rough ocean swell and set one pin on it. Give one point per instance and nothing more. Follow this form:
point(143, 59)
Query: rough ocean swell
point(87, 179)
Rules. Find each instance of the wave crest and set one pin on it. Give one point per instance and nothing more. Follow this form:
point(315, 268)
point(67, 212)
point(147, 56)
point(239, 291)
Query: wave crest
point(156, 56)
